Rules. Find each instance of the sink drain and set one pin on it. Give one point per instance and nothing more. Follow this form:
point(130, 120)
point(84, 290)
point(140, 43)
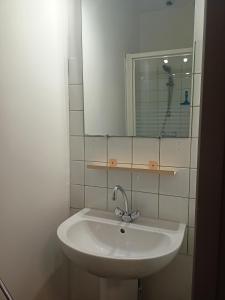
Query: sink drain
point(122, 230)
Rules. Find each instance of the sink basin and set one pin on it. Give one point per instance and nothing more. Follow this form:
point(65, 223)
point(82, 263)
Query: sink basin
point(101, 244)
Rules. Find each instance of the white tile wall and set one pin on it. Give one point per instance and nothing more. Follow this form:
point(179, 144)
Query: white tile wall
point(77, 196)
point(76, 97)
point(95, 177)
point(120, 149)
point(117, 177)
point(175, 152)
point(144, 182)
point(77, 148)
point(77, 172)
point(76, 123)
point(146, 203)
point(145, 149)
point(175, 185)
point(173, 208)
point(96, 149)
point(96, 197)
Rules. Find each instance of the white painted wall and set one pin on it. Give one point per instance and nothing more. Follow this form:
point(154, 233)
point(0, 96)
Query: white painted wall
point(33, 147)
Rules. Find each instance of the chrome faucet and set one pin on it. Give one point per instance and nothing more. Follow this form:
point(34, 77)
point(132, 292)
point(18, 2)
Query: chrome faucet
point(125, 215)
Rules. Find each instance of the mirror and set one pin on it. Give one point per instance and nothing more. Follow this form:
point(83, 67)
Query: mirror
point(137, 64)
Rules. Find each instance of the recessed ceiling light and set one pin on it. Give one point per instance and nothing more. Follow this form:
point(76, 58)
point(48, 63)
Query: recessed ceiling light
point(165, 61)
point(187, 73)
point(185, 60)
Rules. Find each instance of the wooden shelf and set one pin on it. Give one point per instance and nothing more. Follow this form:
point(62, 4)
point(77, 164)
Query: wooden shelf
point(133, 168)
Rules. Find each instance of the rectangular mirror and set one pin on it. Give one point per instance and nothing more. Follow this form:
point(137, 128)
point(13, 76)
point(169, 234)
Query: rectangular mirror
point(137, 64)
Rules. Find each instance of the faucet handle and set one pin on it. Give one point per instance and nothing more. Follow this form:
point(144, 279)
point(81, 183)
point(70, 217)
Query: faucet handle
point(119, 212)
point(135, 215)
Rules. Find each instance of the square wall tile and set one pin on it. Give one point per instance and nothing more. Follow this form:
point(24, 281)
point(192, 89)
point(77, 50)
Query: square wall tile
point(76, 97)
point(197, 89)
point(173, 208)
point(192, 209)
point(77, 148)
point(144, 150)
point(96, 197)
point(76, 123)
point(177, 185)
point(122, 178)
point(96, 149)
point(144, 182)
point(191, 237)
point(120, 148)
point(75, 71)
point(119, 202)
point(175, 152)
point(195, 121)
point(95, 177)
point(77, 196)
point(194, 153)
point(77, 172)
point(146, 203)
point(193, 183)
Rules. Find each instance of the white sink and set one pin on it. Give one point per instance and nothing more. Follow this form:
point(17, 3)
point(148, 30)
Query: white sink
point(101, 244)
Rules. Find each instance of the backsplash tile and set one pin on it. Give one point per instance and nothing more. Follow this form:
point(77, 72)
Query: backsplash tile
point(175, 152)
point(144, 150)
point(76, 97)
point(173, 208)
point(177, 185)
point(95, 177)
point(145, 182)
point(122, 178)
point(120, 148)
point(77, 172)
point(96, 197)
point(76, 148)
point(146, 203)
point(96, 149)
point(76, 123)
point(77, 196)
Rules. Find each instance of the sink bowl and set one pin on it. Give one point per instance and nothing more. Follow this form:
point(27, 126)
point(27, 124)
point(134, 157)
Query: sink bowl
point(101, 244)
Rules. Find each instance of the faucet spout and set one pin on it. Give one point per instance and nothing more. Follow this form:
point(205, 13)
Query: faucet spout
point(115, 193)
point(124, 213)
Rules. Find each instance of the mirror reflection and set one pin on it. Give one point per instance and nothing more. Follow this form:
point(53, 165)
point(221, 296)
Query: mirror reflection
point(137, 62)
